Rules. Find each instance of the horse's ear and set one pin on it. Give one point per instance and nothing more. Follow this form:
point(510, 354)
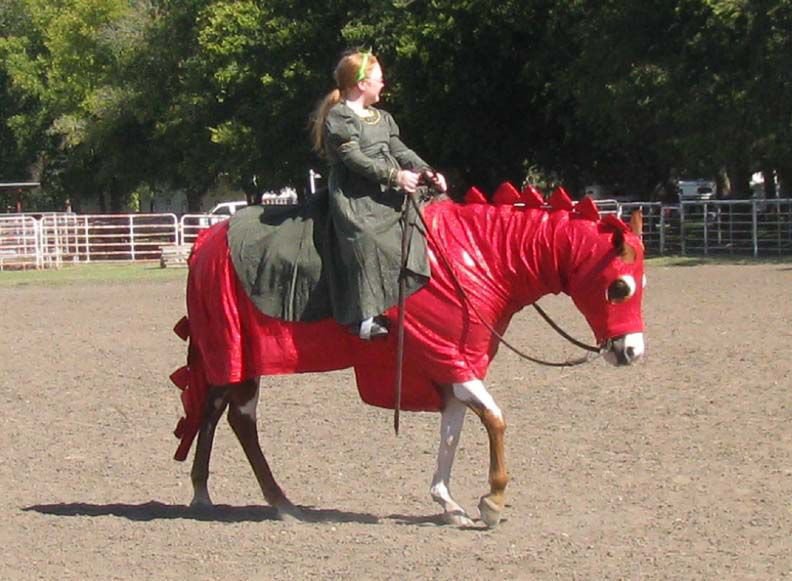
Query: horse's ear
point(636, 222)
point(623, 248)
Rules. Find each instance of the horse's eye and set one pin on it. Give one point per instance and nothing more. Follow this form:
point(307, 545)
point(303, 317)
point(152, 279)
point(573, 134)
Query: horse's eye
point(621, 289)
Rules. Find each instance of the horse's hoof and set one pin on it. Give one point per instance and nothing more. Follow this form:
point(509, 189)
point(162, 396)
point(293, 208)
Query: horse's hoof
point(457, 518)
point(201, 501)
point(490, 512)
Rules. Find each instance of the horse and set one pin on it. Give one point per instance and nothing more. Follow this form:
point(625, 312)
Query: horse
point(488, 261)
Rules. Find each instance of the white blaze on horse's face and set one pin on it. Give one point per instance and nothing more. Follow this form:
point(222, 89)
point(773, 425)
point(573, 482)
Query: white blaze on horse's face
point(625, 350)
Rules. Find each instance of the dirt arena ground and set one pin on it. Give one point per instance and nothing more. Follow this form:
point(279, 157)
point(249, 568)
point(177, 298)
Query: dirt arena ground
point(679, 468)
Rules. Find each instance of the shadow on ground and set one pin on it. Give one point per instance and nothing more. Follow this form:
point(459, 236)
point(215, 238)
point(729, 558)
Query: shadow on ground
point(219, 513)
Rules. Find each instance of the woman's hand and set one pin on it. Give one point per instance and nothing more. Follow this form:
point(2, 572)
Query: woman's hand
point(439, 182)
point(436, 180)
point(407, 180)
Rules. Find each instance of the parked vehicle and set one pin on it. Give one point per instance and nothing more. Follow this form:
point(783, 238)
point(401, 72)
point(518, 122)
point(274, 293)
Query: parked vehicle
point(696, 190)
point(227, 209)
point(222, 211)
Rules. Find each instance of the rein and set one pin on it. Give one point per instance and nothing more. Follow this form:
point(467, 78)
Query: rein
point(463, 294)
point(594, 351)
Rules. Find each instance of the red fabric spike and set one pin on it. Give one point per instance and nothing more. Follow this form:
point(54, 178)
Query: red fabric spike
point(506, 194)
point(182, 328)
point(181, 377)
point(474, 196)
point(532, 197)
point(610, 220)
point(560, 200)
point(586, 208)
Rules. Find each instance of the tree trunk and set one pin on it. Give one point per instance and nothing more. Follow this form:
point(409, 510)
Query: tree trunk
point(194, 197)
point(785, 181)
point(768, 175)
point(722, 184)
point(740, 179)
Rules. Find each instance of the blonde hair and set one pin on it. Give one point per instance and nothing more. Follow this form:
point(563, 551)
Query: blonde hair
point(346, 74)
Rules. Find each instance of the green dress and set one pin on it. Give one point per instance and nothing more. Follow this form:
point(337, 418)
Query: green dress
point(365, 227)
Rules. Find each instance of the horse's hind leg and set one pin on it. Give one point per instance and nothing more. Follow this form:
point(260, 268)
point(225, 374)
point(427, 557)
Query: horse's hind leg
point(216, 403)
point(243, 400)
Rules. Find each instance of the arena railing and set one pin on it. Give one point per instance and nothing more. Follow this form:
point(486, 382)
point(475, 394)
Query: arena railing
point(691, 228)
point(19, 242)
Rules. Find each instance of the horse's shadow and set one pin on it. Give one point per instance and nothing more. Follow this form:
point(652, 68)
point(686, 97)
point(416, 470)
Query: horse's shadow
point(153, 510)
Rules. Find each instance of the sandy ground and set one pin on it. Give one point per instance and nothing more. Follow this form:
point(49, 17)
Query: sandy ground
point(679, 468)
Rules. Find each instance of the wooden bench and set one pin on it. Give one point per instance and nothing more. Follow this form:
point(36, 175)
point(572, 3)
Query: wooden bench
point(175, 255)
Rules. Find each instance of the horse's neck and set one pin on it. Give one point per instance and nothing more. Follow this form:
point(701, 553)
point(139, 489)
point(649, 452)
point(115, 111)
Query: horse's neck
point(538, 243)
point(511, 253)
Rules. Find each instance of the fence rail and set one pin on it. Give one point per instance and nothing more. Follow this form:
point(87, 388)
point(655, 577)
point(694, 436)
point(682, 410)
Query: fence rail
point(692, 228)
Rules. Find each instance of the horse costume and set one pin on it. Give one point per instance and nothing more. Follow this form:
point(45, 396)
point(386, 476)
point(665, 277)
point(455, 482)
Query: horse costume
point(487, 262)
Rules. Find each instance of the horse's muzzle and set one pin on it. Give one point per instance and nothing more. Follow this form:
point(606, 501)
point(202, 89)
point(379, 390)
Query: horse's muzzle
point(624, 350)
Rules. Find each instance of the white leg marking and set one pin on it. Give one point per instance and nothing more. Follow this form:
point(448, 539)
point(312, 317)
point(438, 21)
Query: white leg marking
point(451, 422)
point(474, 392)
point(249, 407)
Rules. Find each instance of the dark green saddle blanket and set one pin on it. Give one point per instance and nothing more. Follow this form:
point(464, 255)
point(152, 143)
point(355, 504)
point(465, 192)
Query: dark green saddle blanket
point(277, 255)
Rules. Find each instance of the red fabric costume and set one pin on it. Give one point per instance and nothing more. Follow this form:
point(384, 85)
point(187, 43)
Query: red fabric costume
point(504, 256)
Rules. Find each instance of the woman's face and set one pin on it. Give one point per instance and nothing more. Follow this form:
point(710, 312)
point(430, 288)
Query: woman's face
point(372, 85)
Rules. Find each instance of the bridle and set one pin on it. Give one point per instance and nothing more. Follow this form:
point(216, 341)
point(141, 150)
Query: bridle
point(594, 351)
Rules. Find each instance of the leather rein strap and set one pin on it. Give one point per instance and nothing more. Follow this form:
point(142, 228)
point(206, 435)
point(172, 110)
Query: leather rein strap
point(594, 351)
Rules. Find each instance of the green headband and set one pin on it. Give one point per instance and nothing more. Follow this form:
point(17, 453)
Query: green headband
point(363, 64)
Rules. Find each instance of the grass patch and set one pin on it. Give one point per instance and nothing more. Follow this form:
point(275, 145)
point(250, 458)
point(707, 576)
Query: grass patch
point(92, 273)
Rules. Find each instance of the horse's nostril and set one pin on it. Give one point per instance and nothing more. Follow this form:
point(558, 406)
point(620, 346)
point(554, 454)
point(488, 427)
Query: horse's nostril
point(630, 353)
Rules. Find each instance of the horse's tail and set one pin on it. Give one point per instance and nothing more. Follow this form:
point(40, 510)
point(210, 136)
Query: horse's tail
point(191, 379)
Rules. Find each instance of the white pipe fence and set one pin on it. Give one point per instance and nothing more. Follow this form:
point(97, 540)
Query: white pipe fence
point(692, 228)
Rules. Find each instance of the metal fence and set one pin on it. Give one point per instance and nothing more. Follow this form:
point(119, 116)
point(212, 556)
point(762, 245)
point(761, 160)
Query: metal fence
point(717, 227)
point(49, 240)
point(710, 228)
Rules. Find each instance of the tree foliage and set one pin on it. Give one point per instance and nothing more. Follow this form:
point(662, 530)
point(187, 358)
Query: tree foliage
point(104, 97)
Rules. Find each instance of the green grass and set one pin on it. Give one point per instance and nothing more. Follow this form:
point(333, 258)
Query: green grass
point(92, 273)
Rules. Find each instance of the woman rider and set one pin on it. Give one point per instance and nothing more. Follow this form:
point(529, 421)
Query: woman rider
point(370, 171)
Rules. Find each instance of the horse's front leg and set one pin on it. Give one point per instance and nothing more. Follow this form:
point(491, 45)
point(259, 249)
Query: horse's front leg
point(475, 395)
point(451, 421)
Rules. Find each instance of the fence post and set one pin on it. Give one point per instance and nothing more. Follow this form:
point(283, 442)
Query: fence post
point(87, 240)
point(755, 228)
point(132, 237)
point(682, 227)
point(706, 229)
